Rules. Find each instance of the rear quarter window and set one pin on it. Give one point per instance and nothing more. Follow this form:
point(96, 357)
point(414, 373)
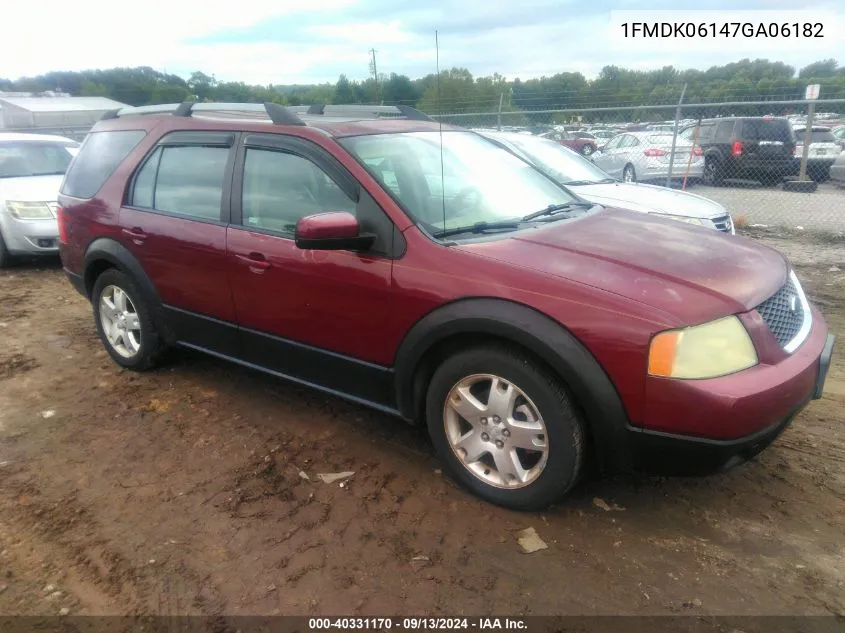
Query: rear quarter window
point(99, 156)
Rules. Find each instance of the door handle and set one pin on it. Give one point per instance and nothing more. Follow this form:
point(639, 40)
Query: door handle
point(255, 260)
point(136, 234)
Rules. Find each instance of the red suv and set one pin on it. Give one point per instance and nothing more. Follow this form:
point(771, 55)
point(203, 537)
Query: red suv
point(427, 273)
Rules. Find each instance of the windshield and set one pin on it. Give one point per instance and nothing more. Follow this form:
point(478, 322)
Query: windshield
point(29, 158)
point(560, 163)
point(477, 182)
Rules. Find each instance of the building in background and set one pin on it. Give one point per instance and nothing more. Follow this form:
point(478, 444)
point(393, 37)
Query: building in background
point(48, 114)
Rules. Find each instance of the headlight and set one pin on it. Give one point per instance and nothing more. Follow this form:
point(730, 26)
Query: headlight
point(713, 349)
point(29, 210)
point(681, 218)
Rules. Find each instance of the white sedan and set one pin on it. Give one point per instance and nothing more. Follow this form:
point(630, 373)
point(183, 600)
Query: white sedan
point(591, 183)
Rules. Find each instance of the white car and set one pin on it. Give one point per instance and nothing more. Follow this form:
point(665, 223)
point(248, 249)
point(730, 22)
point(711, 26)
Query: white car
point(31, 170)
point(594, 185)
point(822, 152)
point(634, 156)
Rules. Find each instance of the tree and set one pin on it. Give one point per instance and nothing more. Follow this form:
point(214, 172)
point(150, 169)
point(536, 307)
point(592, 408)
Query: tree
point(825, 68)
point(399, 89)
point(343, 91)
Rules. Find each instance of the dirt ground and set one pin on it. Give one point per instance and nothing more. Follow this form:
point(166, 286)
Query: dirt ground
point(181, 492)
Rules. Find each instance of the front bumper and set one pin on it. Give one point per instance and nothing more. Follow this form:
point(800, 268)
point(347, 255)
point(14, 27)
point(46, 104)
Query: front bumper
point(31, 237)
point(689, 454)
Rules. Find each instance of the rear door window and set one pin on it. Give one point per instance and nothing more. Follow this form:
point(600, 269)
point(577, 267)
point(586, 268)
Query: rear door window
point(724, 131)
point(99, 156)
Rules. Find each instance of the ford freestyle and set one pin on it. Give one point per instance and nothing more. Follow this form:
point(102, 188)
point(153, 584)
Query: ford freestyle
point(423, 271)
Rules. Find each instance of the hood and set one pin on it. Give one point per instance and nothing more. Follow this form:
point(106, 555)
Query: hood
point(650, 198)
point(31, 188)
point(692, 273)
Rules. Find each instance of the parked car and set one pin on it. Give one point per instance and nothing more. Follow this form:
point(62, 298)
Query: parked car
point(821, 154)
point(755, 148)
point(839, 135)
point(837, 170)
point(533, 331)
point(31, 170)
point(646, 156)
point(584, 146)
point(591, 183)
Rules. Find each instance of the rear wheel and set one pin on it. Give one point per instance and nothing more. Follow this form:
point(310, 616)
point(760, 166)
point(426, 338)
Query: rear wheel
point(504, 427)
point(712, 172)
point(588, 149)
point(629, 174)
point(124, 323)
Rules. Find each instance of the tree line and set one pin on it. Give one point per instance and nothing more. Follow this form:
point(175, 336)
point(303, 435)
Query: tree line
point(457, 91)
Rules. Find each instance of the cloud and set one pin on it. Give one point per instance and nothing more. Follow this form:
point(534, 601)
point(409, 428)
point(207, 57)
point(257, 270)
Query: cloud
point(285, 41)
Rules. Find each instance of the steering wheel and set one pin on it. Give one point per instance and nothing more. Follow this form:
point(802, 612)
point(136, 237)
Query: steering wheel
point(467, 199)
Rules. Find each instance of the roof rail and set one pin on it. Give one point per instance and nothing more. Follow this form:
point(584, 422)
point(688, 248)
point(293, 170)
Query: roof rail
point(362, 111)
point(278, 114)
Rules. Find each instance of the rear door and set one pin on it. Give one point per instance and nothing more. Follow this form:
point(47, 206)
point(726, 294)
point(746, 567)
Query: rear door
point(174, 222)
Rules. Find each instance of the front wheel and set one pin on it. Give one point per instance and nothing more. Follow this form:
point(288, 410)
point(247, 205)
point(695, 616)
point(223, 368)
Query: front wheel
point(588, 149)
point(628, 174)
point(4, 253)
point(505, 428)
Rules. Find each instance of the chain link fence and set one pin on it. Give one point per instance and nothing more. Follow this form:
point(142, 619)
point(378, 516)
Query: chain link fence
point(761, 160)
point(73, 132)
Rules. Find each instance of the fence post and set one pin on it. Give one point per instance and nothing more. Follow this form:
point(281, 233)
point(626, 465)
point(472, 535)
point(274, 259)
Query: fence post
point(808, 138)
point(499, 115)
point(675, 136)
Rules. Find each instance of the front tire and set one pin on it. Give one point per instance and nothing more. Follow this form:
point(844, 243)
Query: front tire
point(5, 258)
point(504, 427)
point(124, 322)
point(629, 174)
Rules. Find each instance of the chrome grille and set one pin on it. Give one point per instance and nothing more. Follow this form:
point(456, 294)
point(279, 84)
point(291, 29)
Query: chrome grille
point(787, 314)
point(723, 223)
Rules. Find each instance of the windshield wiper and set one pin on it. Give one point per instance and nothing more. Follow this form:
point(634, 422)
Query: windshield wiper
point(554, 209)
point(48, 173)
point(481, 227)
point(578, 183)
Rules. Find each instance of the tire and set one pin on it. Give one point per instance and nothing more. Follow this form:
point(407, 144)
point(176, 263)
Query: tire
point(712, 172)
point(588, 149)
point(629, 174)
point(5, 258)
point(136, 348)
point(540, 403)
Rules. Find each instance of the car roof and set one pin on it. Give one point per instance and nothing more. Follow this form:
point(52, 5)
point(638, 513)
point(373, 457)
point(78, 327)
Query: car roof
point(334, 121)
point(17, 137)
point(816, 128)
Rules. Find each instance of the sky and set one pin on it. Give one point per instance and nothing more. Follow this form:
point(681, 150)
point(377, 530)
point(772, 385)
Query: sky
point(309, 41)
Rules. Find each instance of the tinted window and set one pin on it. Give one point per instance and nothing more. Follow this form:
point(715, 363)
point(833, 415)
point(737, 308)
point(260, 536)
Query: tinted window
point(724, 131)
point(29, 158)
point(766, 130)
point(281, 188)
point(706, 131)
point(99, 156)
point(182, 180)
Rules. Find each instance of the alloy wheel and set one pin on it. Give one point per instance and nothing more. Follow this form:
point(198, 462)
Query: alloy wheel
point(120, 321)
point(496, 431)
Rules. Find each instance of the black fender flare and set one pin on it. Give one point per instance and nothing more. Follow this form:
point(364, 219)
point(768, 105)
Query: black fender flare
point(113, 252)
point(544, 337)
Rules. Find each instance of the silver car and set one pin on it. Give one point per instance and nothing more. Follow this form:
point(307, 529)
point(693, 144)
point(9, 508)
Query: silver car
point(31, 170)
point(634, 156)
point(591, 183)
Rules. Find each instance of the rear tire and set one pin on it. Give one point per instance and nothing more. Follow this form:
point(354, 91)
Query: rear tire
point(712, 172)
point(523, 447)
point(588, 149)
point(124, 322)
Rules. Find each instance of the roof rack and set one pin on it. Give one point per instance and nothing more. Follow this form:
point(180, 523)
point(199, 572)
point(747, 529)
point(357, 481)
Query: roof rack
point(280, 115)
point(362, 111)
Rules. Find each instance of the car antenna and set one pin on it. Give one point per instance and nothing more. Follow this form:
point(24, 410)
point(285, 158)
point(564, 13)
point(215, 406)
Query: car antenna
point(440, 123)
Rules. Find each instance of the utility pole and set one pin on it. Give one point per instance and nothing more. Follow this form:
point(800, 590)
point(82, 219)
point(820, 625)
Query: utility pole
point(374, 70)
point(675, 136)
point(499, 116)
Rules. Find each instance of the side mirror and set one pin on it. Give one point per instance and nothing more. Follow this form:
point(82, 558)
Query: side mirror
point(332, 231)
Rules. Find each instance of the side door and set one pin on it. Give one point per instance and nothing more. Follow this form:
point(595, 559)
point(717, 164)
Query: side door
point(174, 222)
point(607, 158)
point(314, 316)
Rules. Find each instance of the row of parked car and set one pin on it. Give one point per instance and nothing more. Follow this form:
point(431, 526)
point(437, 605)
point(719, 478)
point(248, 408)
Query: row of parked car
point(490, 286)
